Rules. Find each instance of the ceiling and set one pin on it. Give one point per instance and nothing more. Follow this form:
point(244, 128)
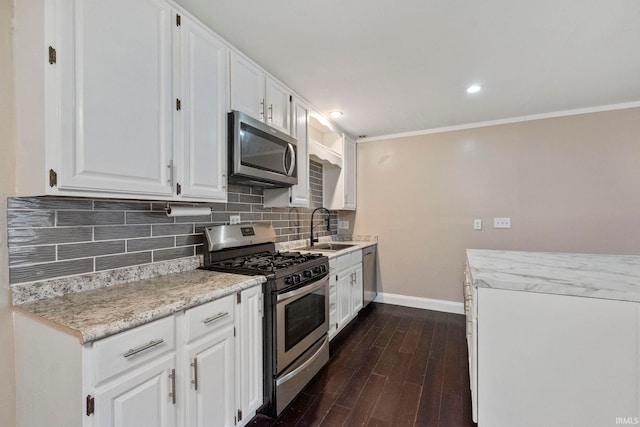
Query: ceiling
point(404, 65)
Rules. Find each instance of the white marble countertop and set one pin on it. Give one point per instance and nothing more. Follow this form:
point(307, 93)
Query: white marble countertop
point(98, 313)
point(614, 277)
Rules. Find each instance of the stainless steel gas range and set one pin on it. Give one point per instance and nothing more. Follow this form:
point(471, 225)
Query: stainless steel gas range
point(296, 321)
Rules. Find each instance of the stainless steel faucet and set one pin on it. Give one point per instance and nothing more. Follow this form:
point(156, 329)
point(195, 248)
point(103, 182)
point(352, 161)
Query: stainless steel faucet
point(313, 240)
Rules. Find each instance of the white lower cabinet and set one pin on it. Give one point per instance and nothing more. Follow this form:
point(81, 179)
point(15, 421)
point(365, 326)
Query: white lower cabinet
point(201, 367)
point(142, 398)
point(346, 289)
point(554, 360)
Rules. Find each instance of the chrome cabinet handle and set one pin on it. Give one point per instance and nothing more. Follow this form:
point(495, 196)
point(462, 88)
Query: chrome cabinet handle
point(172, 394)
point(270, 112)
point(194, 381)
point(215, 317)
point(142, 348)
point(261, 109)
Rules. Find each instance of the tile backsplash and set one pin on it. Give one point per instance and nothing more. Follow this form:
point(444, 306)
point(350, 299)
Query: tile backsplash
point(51, 237)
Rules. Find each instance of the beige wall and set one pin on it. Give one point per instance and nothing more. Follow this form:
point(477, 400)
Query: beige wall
point(7, 187)
point(569, 184)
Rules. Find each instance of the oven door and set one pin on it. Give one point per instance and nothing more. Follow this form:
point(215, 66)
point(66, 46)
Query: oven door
point(302, 318)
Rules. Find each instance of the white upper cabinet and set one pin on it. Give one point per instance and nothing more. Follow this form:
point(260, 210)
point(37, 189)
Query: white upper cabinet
point(350, 170)
point(200, 146)
point(297, 195)
point(115, 103)
point(247, 87)
point(119, 98)
point(258, 95)
point(277, 105)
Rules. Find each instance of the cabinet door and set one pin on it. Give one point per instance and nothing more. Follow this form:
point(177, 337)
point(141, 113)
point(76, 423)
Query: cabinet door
point(357, 289)
point(115, 107)
point(344, 297)
point(211, 397)
point(278, 105)
point(138, 399)
point(247, 87)
point(300, 191)
point(333, 299)
point(251, 352)
point(350, 172)
point(201, 147)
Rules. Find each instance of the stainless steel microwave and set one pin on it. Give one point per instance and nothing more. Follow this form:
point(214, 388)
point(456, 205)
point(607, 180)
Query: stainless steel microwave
point(260, 155)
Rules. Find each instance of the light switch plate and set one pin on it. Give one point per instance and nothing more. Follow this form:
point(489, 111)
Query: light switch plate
point(501, 222)
point(477, 224)
point(234, 219)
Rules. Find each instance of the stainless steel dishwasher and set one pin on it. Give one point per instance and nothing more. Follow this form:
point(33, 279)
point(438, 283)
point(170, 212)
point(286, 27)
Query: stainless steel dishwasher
point(369, 277)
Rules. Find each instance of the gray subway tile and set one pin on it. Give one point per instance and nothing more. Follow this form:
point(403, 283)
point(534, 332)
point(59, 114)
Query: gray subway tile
point(50, 270)
point(52, 203)
point(192, 239)
point(215, 206)
point(30, 218)
point(43, 236)
point(192, 219)
point(125, 260)
point(233, 197)
point(257, 190)
point(259, 208)
point(238, 207)
point(235, 188)
point(153, 217)
point(166, 254)
point(89, 218)
point(120, 205)
point(251, 216)
point(220, 217)
point(271, 216)
point(82, 250)
point(22, 255)
point(136, 245)
point(171, 229)
point(200, 227)
point(250, 198)
point(112, 232)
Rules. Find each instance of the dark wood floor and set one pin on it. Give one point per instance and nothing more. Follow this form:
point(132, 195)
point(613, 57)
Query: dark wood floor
point(392, 366)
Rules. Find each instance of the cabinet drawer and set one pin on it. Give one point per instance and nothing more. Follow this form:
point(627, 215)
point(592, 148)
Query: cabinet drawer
point(356, 257)
point(210, 316)
point(343, 262)
point(132, 348)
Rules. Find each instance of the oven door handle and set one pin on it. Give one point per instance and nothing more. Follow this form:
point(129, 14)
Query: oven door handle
point(303, 290)
point(302, 367)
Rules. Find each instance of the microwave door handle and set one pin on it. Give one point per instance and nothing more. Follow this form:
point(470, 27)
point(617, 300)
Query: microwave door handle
point(293, 159)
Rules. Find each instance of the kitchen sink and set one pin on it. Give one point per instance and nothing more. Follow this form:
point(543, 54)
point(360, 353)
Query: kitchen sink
point(327, 247)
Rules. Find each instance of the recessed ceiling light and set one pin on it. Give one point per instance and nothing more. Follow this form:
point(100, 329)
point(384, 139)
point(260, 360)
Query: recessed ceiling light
point(474, 89)
point(336, 114)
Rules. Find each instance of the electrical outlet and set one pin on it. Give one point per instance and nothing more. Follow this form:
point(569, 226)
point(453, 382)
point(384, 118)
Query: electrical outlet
point(477, 224)
point(501, 222)
point(234, 219)
point(343, 225)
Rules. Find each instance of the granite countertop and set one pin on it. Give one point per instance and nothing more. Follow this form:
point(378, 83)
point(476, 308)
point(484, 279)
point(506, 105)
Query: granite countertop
point(95, 314)
point(614, 277)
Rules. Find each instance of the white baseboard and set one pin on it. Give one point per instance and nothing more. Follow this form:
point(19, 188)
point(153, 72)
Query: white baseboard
point(417, 302)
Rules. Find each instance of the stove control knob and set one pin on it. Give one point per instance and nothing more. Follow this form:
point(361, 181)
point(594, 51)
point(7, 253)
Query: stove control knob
point(288, 280)
point(323, 269)
point(296, 278)
point(307, 274)
point(317, 269)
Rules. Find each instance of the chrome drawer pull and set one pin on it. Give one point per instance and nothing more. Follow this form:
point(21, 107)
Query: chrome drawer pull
point(144, 347)
point(214, 318)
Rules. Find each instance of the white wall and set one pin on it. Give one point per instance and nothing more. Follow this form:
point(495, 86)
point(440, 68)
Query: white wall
point(7, 188)
point(569, 184)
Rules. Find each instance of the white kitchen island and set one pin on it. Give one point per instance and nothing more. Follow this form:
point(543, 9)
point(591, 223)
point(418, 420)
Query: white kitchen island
point(554, 338)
